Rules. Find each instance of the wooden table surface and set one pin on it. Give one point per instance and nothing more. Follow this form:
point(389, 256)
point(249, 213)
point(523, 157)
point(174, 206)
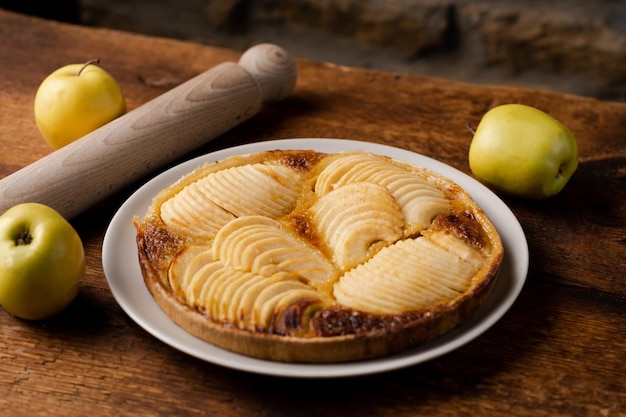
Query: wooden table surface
point(559, 351)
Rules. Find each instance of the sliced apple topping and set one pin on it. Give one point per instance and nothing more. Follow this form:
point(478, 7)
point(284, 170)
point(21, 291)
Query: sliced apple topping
point(419, 200)
point(252, 275)
point(184, 263)
point(190, 213)
point(258, 244)
point(214, 294)
point(236, 313)
point(196, 285)
point(356, 220)
point(290, 312)
point(260, 303)
point(269, 190)
point(457, 246)
point(264, 307)
point(203, 207)
point(411, 274)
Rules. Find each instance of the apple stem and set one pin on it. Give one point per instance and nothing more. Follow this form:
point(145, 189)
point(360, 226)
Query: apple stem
point(90, 62)
point(470, 128)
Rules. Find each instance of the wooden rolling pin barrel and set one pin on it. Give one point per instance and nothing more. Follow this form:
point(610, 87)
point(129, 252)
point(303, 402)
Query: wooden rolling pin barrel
point(77, 176)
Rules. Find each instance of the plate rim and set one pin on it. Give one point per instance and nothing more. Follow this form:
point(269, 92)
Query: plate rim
point(160, 326)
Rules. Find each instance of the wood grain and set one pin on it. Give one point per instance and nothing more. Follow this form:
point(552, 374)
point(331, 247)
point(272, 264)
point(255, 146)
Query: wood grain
point(558, 352)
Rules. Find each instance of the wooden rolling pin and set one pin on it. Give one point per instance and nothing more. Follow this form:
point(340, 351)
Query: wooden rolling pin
point(77, 176)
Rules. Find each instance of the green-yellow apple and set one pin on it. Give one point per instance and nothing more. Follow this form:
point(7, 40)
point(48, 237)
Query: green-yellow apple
point(41, 260)
point(75, 100)
point(523, 151)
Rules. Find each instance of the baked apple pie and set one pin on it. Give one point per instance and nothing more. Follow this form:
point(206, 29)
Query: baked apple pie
point(302, 256)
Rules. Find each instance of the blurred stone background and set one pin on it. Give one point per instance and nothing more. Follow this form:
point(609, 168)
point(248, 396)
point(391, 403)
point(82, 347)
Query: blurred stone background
point(571, 46)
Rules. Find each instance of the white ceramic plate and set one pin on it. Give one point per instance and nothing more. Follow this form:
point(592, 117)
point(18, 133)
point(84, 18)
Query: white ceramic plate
point(119, 258)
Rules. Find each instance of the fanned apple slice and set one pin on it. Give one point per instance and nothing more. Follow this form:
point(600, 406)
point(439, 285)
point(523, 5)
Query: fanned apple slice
point(411, 274)
point(420, 201)
point(229, 294)
point(256, 294)
point(199, 260)
point(191, 213)
point(274, 309)
point(180, 266)
point(269, 190)
point(235, 314)
point(247, 300)
point(457, 246)
point(309, 269)
point(193, 291)
point(204, 206)
point(265, 296)
point(341, 170)
point(215, 299)
point(258, 244)
point(237, 236)
point(356, 220)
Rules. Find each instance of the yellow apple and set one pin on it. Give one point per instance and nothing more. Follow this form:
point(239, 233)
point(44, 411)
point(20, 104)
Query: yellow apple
point(75, 100)
point(41, 260)
point(523, 151)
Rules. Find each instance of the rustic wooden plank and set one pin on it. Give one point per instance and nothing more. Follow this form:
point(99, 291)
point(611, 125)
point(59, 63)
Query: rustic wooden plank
point(530, 362)
point(559, 351)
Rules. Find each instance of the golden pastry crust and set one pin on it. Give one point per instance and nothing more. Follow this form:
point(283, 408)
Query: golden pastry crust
point(301, 256)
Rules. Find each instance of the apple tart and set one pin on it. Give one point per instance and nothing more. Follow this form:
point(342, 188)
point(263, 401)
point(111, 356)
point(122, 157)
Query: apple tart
point(302, 256)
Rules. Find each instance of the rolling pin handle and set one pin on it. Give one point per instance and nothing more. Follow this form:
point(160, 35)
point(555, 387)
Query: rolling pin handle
point(272, 68)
